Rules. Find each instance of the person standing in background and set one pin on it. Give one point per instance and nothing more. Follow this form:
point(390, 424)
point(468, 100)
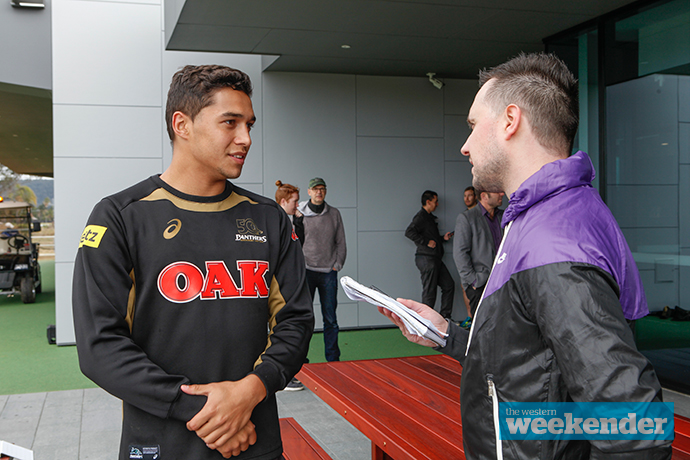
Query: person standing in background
point(423, 231)
point(478, 235)
point(324, 253)
point(470, 197)
point(287, 196)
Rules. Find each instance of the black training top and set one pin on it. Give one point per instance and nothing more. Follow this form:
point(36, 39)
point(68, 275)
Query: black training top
point(171, 289)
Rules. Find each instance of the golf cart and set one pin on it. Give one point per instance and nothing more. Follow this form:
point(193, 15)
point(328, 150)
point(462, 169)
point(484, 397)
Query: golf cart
point(19, 269)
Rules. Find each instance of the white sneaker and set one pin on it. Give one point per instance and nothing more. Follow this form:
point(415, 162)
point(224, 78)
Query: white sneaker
point(294, 385)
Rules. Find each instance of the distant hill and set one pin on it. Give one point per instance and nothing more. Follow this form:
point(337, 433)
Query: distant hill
point(42, 188)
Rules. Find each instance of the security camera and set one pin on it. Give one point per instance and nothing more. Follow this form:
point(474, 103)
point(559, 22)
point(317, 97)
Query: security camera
point(435, 81)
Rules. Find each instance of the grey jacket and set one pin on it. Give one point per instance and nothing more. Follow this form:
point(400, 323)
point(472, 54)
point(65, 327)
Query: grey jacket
point(473, 247)
point(324, 239)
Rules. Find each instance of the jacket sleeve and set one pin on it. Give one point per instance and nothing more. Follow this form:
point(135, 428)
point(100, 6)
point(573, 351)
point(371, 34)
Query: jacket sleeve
point(291, 320)
point(580, 318)
point(456, 343)
point(462, 249)
point(414, 233)
point(298, 223)
point(102, 289)
point(340, 244)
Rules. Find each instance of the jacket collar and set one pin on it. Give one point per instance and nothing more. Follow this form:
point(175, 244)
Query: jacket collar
point(552, 179)
point(304, 208)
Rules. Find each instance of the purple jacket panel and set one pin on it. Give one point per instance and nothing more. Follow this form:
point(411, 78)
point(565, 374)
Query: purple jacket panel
point(559, 217)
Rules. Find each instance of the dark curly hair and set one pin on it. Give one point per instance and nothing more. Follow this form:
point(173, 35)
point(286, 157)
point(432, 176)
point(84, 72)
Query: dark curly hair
point(192, 88)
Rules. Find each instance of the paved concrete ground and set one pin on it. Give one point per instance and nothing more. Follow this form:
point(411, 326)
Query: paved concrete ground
point(85, 424)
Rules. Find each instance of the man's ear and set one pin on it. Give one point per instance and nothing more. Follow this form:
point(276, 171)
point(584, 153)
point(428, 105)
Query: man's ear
point(181, 124)
point(512, 120)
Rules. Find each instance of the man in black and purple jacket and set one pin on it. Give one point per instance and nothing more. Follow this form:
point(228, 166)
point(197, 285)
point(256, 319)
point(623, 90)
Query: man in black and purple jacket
point(551, 325)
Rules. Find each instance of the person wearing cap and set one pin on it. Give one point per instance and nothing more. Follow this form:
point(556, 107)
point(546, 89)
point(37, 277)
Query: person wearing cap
point(324, 253)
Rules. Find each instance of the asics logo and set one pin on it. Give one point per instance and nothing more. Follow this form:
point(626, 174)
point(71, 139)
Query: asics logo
point(172, 229)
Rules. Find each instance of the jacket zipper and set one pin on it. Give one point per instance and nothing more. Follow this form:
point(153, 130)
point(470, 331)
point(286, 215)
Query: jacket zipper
point(497, 426)
point(498, 254)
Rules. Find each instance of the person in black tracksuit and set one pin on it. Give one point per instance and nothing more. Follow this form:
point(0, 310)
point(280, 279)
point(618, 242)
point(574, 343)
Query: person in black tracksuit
point(423, 231)
point(190, 298)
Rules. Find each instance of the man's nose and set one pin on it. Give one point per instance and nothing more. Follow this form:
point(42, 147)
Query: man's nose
point(465, 150)
point(244, 137)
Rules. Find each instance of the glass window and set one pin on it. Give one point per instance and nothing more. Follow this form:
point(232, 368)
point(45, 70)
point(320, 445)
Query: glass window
point(648, 173)
point(644, 116)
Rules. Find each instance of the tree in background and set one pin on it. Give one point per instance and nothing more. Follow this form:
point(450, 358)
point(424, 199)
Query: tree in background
point(25, 194)
point(8, 180)
point(44, 211)
point(16, 187)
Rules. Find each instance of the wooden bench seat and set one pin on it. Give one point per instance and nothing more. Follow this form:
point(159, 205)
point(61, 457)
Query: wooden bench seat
point(410, 407)
point(297, 444)
point(681, 443)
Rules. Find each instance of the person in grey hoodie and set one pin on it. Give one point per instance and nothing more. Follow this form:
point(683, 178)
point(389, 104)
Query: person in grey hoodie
point(324, 253)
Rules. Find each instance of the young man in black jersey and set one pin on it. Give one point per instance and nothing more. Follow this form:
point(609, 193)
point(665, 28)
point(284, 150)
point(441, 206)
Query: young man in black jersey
point(176, 280)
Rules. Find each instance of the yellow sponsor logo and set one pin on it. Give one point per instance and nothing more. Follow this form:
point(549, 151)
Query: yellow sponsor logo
point(92, 236)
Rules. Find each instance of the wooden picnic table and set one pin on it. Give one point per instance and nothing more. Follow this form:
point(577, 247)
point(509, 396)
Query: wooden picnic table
point(410, 407)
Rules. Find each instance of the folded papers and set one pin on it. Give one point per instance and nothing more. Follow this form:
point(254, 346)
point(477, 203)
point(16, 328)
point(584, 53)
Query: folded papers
point(414, 323)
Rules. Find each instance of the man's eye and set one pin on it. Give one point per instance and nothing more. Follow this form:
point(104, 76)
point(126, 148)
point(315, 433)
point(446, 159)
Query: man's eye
point(249, 127)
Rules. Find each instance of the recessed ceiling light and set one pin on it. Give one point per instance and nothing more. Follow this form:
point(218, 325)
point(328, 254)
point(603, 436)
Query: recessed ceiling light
point(345, 47)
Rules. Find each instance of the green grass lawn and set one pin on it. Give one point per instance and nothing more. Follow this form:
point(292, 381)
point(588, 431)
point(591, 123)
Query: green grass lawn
point(28, 364)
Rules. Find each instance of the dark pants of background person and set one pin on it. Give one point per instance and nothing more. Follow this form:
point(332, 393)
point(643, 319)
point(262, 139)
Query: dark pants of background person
point(474, 295)
point(327, 284)
point(435, 274)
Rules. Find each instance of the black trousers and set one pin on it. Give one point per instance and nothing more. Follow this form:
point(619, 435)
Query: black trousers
point(474, 295)
point(435, 274)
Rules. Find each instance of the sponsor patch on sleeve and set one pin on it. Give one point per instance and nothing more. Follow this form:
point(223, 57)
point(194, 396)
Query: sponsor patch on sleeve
point(92, 236)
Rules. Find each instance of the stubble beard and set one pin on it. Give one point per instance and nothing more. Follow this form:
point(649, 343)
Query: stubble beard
point(491, 177)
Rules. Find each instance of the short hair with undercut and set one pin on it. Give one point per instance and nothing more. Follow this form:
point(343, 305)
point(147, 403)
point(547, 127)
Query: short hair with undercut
point(192, 88)
point(546, 92)
point(428, 195)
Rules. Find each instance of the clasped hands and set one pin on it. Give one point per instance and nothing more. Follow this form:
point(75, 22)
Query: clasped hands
point(223, 423)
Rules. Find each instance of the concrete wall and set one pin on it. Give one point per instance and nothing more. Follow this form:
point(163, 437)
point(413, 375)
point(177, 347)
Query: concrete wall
point(379, 142)
point(25, 51)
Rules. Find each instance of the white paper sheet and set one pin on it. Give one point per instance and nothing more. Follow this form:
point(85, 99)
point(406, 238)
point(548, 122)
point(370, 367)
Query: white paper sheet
point(414, 323)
